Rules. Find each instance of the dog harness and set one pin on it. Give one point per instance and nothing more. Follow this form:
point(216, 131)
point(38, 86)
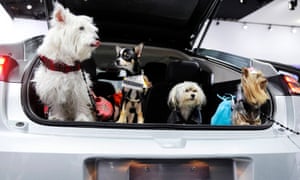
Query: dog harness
point(195, 117)
point(135, 84)
point(60, 67)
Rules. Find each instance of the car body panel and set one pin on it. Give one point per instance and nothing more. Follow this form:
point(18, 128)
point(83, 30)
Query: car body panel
point(32, 156)
point(284, 68)
point(33, 147)
point(38, 150)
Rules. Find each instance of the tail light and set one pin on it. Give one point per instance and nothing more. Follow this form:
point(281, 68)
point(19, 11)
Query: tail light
point(7, 64)
point(293, 84)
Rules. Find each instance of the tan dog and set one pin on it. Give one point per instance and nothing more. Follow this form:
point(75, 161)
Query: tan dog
point(251, 95)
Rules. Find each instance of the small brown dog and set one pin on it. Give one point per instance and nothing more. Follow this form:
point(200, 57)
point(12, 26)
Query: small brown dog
point(251, 95)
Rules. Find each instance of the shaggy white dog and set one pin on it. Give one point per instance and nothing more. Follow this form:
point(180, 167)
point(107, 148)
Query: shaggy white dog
point(59, 81)
point(185, 100)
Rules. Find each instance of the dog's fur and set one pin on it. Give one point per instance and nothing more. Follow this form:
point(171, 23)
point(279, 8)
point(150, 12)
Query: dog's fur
point(70, 40)
point(185, 99)
point(129, 59)
point(251, 95)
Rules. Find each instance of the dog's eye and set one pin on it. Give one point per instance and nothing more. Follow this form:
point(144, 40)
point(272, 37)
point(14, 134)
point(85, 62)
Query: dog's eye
point(126, 56)
point(81, 28)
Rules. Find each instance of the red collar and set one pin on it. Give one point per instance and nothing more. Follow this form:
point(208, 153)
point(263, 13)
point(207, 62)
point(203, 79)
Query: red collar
point(61, 67)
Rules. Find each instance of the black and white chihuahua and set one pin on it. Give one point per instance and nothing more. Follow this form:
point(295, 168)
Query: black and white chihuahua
point(135, 84)
point(129, 59)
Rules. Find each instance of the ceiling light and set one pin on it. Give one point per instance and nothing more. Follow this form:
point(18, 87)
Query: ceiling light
point(245, 26)
point(292, 4)
point(242, 1)
point(29, 6)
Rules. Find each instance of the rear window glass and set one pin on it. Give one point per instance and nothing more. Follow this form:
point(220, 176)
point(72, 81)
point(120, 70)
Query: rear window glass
point(234, 60)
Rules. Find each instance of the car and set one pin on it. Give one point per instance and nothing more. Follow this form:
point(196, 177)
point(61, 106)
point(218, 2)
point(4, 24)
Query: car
point(286, 69)
point(34, 147)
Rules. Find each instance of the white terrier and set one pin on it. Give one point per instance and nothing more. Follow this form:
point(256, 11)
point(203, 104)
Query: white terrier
point(59, 80)
point(185, 100)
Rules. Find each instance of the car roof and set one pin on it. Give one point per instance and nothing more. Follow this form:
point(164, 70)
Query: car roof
point(171, 23)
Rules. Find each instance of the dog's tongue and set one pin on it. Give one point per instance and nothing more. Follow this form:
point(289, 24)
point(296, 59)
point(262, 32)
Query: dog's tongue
point(96, 43)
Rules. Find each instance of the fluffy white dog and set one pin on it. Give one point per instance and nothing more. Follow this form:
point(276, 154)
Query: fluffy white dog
point(185, 100)
point(59, 81)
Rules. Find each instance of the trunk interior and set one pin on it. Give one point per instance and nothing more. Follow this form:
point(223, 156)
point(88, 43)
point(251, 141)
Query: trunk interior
point(164, 68)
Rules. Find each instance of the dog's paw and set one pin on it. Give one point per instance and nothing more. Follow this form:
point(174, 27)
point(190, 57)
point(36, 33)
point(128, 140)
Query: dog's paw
point(141, 122)
point(55, 118)
point(121, 120)
point(140, 119)
point(242, 123)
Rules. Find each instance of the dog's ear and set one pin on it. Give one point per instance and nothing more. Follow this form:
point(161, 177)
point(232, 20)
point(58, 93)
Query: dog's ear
point(245, 71)
point(263, 84)
point(118, 49)
point(138, 49)
point(59, 14)
point(172, 103)
point(201, 95)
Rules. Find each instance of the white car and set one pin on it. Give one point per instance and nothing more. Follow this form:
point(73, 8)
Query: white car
point(33, 147)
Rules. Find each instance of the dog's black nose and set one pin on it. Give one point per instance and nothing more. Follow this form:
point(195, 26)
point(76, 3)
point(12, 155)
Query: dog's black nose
point(193, 96)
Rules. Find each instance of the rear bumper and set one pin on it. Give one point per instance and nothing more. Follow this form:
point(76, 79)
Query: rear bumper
point(29, 156)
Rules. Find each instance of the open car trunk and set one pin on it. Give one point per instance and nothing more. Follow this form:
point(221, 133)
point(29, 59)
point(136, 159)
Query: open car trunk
point(164, 69)
point(172, 23)
point(169, 30)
